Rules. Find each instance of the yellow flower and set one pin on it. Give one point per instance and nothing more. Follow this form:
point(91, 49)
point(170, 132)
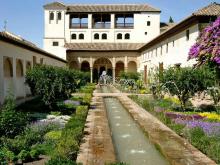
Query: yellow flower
point(208, 115)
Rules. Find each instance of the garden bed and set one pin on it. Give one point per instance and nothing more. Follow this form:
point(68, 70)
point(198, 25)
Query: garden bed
point(33, 130)
point(201, 129)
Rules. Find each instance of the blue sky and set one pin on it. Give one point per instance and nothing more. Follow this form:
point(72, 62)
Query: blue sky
point(26, 17)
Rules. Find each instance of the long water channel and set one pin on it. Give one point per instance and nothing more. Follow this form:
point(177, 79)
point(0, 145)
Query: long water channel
point(131, 144)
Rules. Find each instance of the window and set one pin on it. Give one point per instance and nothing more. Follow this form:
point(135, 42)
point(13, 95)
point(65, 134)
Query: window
point(81, 36)
point(19, 68)
point(73, 36)
point(104, 36)
point(161, 50)
point(79, 21)
point(173, 43)
point(119, 36)
point(34, 60)
point(59, 16)
point(51, 16)
point(101, 21)
point(148, 23)
point(8, 68)
point(127, 36)
point(124, 20)
point(41, 61)
point(96, 36)
point(145, 33)
point(167, 49)
point(55, 43)
point(187, 35)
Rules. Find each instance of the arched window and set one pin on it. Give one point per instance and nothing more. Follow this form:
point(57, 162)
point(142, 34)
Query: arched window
point(59, 16)
point(8, 69)
point(127, 36)
point(96, 36)
point(81, 36)
point(51, 16)
point(19, 68)
point(28, 65)
point(119, 36)
point(73, 36)
point(104, 36)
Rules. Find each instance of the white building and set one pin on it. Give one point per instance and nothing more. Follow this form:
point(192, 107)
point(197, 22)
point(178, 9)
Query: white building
point(16, 56)
point(119, 38)
point(172, 46)
point(98, 24)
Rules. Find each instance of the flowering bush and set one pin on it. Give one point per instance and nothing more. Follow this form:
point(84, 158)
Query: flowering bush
point(207, 47)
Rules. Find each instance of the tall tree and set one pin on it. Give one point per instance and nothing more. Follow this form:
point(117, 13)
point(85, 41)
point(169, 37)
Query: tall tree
point(171, 20)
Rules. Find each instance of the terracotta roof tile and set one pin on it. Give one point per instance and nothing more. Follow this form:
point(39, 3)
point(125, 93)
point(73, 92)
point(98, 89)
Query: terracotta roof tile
point(104, 46)
point(102, 7)
point(211, 10)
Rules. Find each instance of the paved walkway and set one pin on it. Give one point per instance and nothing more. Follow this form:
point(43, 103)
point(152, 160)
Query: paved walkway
point(98, 147)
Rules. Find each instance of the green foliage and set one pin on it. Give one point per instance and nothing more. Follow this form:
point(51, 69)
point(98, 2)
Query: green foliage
point(60, 161)
point(89, 88)
point(129, 75)
point(53, 135)
point(214, 92)
point(11, 122)
point(185, 82)
point(68, 145)
point(35, 153)
point(24, 155)
point(55, 113)
point(52, 83)
point(208, 145)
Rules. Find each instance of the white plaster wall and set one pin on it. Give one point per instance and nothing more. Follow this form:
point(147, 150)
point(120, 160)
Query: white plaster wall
point(61, 31)
point(16, 84)
point(176, 54)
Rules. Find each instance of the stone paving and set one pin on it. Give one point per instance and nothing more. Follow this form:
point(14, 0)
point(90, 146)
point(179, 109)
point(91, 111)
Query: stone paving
point(98, 147)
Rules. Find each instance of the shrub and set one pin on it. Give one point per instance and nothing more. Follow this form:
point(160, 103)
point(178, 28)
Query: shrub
point(129, 75)
point(60, 161)
point(207, 47)
point(82, 110)
point(185, 82)
point(52, 83)
point(35, 153)
point(67, 147)
point(24, 155)
point(11, 122)
point(53, 135)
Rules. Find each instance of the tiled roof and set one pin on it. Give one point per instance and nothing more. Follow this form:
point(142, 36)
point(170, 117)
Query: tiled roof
point(102, 7)
point(211, 10)
point(14, 39)
point(104, 46)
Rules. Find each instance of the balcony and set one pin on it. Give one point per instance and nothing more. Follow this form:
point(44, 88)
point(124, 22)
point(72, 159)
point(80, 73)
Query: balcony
point(79, 26)
point(124, 25)
point(102, 25)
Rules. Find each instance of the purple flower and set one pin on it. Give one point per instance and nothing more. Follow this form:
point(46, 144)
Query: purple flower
point(207, 44)
point(67, 102)
point(174, 115)
point(211, 129)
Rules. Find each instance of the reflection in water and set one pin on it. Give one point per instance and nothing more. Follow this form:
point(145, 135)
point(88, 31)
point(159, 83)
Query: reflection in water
point(131, 145)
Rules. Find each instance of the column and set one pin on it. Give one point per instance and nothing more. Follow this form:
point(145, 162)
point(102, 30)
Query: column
point(126, 64)
point(91, 74)
point(113, 75)
point(89, 21)
point(112, 21)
